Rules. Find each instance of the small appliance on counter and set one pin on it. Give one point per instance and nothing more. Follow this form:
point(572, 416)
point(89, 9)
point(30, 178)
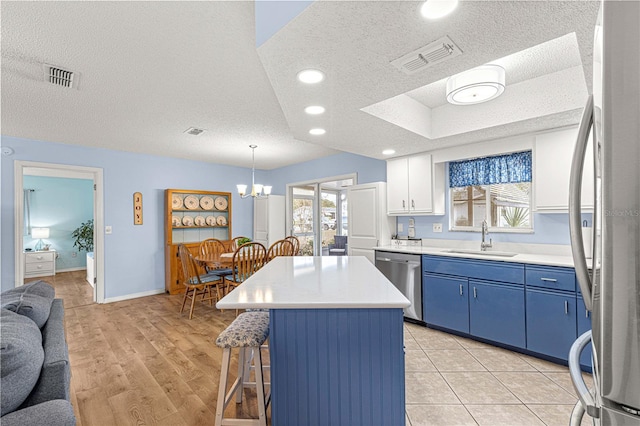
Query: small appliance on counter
point(406, 242)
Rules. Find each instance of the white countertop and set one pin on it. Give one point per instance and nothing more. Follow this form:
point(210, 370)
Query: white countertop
point(538, 259)
point(306, 282)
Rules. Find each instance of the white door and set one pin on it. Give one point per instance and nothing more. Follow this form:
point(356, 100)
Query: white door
point(369, 226)
point(261, 221)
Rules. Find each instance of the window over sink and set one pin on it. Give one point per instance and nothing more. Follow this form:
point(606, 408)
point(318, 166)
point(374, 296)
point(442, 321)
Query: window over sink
point(496, 189)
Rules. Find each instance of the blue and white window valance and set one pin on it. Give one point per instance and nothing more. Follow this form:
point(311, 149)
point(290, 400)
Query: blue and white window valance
point(509, 168)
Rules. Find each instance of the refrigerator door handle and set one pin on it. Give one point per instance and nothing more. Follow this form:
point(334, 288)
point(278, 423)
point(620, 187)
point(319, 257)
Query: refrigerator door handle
point(586, 399)
point(575, 219)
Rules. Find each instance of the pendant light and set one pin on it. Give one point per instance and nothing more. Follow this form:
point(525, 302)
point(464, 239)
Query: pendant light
point(257, 190)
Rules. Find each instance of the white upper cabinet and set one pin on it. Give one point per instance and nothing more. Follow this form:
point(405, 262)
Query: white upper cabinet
point(414, 186)
point(553, 153)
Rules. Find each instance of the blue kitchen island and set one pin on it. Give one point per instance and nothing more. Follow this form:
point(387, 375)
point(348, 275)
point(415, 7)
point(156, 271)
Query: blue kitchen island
point(336, 340)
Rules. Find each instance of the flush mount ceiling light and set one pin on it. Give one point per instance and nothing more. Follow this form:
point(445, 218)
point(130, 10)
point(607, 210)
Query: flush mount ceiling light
point(476, 85)
point(435, 9)
point(317, 132)
point(314, 110)
point(388, 152)
point(257, 190)
point(310, 76)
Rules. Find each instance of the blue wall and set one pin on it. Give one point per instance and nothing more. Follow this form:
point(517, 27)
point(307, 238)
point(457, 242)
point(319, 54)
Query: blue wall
point(60, 204)
point(134, 255)
point(368, 170)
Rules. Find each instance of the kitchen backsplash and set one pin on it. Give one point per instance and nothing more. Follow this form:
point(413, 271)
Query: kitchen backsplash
point(547, 229)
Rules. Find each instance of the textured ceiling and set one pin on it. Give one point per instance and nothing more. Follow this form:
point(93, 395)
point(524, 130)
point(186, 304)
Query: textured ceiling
point(150, 70)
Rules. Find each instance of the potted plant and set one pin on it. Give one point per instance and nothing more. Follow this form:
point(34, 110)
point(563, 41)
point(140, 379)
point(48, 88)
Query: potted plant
point(83, 236)
point(244, 240)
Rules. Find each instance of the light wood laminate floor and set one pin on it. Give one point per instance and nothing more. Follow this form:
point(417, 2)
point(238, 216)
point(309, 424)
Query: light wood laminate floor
point(139, 362)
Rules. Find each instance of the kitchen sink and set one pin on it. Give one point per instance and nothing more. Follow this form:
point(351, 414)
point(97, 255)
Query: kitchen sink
point(481, 253)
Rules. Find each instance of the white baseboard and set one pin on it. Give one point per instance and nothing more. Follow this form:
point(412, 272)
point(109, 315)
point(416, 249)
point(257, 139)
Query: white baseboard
point(133, 296)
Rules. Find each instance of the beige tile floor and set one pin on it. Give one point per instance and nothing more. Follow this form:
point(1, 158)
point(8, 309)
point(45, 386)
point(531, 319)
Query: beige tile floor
point(451, 380)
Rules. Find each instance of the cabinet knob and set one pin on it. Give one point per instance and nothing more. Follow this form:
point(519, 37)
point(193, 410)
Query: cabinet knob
point(39, 266)
point(475, 293)
point(549, 280)
point(39, 257)
point(566, 307)
point(461, 290)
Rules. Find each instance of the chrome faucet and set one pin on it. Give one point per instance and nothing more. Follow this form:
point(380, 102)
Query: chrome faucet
point(485, 231)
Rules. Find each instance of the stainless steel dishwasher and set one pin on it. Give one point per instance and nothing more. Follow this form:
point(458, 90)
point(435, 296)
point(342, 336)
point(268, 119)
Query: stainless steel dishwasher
point(404, 271)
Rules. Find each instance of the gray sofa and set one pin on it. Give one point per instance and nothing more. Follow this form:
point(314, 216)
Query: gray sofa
point(34, 359)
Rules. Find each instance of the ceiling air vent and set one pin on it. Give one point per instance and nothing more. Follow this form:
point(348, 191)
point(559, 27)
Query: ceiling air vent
point(58, 76)
point(193, 131)
point(431, 54)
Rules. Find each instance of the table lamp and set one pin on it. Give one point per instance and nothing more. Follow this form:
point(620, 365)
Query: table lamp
point(39, 233)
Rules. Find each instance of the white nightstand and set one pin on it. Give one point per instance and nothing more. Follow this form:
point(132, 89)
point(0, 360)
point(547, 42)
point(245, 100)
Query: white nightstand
point(39, 263)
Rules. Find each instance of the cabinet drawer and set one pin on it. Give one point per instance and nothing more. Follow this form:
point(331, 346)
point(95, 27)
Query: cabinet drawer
point(39, 257)
point(551, 277)
point(39, 267)
point(471, 268)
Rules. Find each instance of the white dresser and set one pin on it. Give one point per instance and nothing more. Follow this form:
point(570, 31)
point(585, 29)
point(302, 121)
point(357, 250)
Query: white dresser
point(39, 263)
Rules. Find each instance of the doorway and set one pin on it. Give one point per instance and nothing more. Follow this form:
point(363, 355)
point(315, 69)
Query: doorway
point(23, 168)
point(317, 212)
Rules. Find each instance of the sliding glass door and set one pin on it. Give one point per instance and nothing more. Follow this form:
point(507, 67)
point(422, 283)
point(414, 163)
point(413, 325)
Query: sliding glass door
point(317, 212)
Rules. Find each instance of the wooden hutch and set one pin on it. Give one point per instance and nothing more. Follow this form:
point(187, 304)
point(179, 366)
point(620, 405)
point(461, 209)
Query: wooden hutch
point(191, 217)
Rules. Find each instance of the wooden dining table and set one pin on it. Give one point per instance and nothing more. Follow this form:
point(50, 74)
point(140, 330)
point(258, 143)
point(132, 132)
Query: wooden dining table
point(215, 261)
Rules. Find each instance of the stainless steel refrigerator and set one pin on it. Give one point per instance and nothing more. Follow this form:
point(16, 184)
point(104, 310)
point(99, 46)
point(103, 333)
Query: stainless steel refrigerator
point(611, 285)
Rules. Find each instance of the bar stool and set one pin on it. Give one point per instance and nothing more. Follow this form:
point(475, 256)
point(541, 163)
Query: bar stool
point(247, 332)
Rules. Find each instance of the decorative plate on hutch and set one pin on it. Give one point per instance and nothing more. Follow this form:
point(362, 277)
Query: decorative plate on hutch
point(206, 203)
point(191, 202)
point(221, 203)
point(176, 201)
point(175, 221)
point(221, 220)
point(210, 220)
point(187, 221)
point(199, 221)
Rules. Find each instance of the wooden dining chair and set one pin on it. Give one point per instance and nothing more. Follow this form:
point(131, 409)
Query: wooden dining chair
point(282, 247)
point(197, 284)
point(296, 244)
point(234, 243)
point(247, 260)
point(212, 247)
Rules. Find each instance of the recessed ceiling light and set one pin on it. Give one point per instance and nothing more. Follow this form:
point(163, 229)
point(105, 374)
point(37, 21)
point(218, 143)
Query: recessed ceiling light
point(435, 9)
point(317, 132)
point(310, 76)
point(388, 151)
point(314, 109)
point(480, 84)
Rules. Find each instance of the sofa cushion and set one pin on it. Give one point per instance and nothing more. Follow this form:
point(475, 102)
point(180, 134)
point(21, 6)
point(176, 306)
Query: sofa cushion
point(31, 305)
point(22, 357)
point(55, 375)
point(40, 288)
point(57, 412)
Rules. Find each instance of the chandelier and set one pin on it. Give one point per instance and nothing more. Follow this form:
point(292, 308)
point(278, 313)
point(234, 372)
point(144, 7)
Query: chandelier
point(257, 190)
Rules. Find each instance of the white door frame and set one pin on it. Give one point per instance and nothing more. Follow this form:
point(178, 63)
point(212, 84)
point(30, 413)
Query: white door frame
point(98, 216)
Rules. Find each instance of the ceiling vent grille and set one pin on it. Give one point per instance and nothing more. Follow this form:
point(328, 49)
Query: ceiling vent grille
point(431, 54)
point(193, 131)
point(58, 76)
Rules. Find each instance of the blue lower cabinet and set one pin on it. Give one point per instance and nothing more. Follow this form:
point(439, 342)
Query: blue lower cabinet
point(551, 323)
point(584, 324)
point(446, 302)
point(337, 367)
point(496, 312)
